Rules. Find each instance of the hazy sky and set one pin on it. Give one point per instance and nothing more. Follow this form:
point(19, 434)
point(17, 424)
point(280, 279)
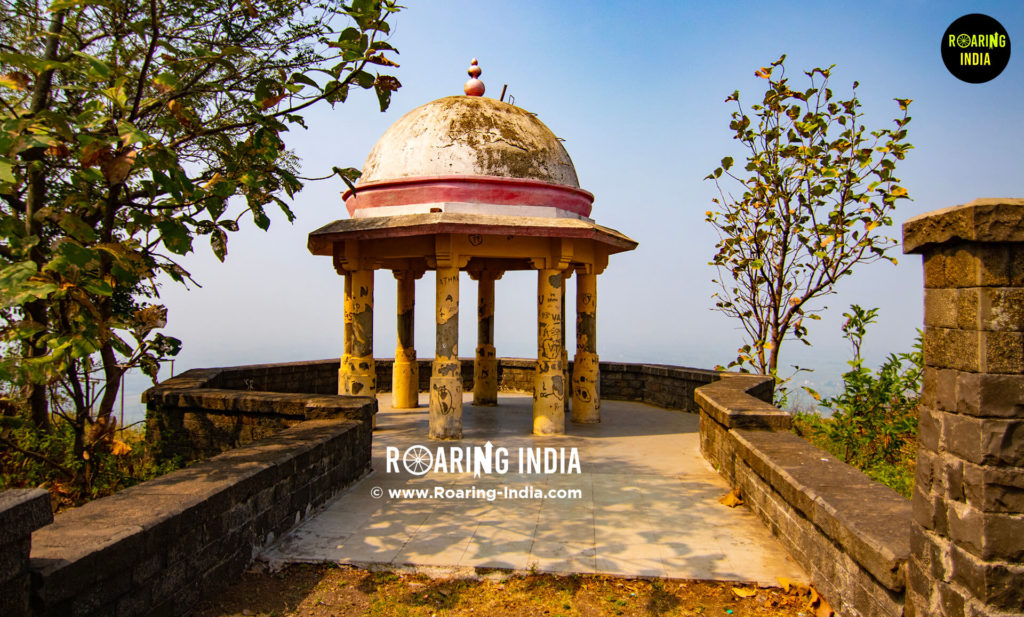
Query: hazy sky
point(636, 90)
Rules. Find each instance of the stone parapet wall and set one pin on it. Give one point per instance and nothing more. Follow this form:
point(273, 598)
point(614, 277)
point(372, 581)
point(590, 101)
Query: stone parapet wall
point(157, 547)
point(670, 387)
point(204, 412)
point(22, 511)
point(849, 533)
point(308, 377)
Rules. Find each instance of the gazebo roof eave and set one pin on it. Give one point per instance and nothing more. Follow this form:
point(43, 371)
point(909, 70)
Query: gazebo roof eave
point(426, 224)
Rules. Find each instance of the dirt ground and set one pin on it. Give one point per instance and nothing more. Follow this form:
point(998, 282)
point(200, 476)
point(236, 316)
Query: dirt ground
point(336, 591)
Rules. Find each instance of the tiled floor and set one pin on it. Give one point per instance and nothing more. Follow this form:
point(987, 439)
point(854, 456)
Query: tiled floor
point(648, 504)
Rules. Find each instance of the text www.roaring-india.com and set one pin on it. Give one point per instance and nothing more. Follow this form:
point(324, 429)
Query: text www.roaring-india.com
point(488, 494)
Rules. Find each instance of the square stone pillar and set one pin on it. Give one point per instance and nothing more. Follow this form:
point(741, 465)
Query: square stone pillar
point(358, 373)
point(586, 375)
point(967, 540)
point(446, 375)
point(405, 374)
point(549, 382)
point(485, 364)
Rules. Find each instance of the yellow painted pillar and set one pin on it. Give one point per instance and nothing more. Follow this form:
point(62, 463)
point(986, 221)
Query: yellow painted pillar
point(446, 376)
point(343, 385)
point(405, 374)
point(358, 373)
point(549, 382)
point(485, 365)
point(565, 352)
point(586, 377)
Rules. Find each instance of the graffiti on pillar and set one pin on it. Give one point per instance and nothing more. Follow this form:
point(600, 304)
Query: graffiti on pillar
point(448, 308)
point(558, 384)
point(586, 332)
point(443, 398)
point(362, 333)
point(447, 369)
point(362, 301)
point(557, 387)
point(581, 391)
point(552, 348)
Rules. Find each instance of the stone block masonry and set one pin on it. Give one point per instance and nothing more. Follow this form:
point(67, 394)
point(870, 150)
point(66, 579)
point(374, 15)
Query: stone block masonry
point(968, 504)
point(204, 412)
point(22, 511)
point(156, 548)
point(849, 533)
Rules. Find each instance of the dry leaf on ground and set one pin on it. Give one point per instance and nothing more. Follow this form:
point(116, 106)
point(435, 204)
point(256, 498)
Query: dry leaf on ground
point(732, 499)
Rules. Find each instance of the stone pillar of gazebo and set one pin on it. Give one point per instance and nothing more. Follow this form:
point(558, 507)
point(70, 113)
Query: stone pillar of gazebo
point(566, 378)
point(485, 364)
point(549, 383)
point(346, 350)
point(405, 374)
point(586, 378)
point(358, 375)
point(446, 375)
point(967, 539)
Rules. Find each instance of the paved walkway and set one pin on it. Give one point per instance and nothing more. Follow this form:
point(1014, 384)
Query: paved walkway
point(647, 504)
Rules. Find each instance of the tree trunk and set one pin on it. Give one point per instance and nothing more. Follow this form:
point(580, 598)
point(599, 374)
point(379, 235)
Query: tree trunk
point(34, 200)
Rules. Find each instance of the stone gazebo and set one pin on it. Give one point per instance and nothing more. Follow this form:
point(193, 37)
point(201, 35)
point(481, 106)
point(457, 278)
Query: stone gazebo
point(474, 184)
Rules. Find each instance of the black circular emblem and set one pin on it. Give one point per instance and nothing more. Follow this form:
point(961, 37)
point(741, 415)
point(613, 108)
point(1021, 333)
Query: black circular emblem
point(975, 48)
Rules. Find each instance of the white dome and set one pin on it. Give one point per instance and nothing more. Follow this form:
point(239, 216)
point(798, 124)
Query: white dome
point(469, 136)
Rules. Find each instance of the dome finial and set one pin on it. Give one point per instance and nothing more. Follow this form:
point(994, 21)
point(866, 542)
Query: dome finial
point(474, 87)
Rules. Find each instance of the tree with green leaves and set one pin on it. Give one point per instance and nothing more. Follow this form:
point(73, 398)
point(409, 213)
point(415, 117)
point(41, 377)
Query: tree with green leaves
point(873, 421)
point(809, 204)
point(128, 130)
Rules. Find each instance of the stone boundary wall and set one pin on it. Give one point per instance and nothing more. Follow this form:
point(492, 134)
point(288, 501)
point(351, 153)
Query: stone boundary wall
point(22, 511)
point(851, 534)
point(204, 412)
point(156, 548)
point(670, 387)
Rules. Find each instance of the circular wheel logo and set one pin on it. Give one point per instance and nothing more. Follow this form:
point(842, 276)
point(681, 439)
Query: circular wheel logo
point(417, 460)
point(975, 48)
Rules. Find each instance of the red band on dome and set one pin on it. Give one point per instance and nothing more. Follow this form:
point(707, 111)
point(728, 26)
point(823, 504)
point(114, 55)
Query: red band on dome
point(468, 189)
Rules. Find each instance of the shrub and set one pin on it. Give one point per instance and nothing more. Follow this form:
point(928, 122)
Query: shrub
point(873, 425)
point(33, 457)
